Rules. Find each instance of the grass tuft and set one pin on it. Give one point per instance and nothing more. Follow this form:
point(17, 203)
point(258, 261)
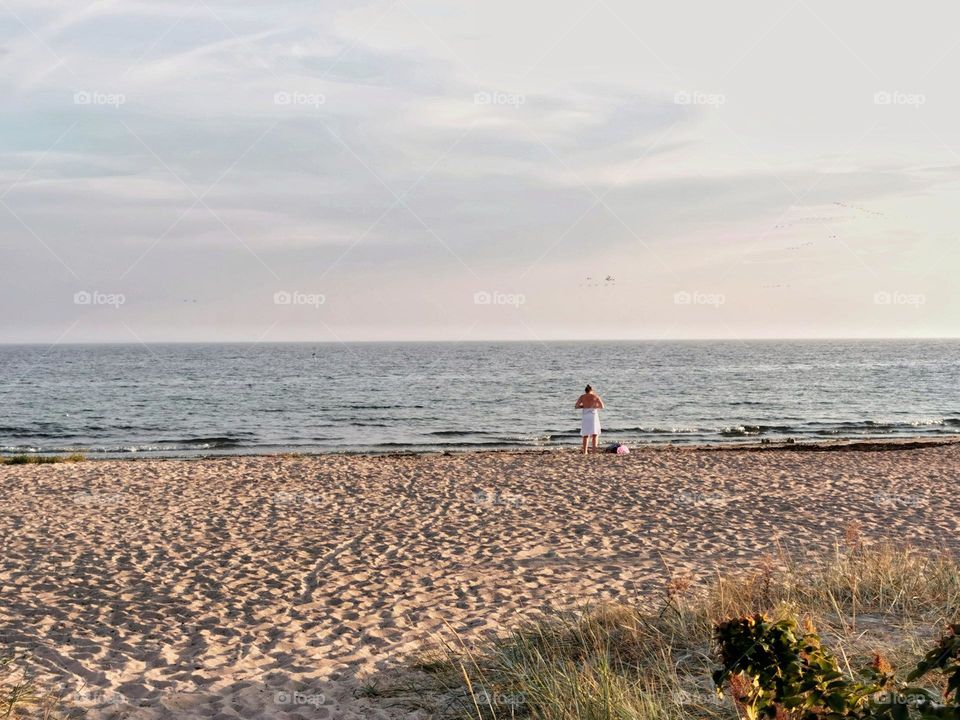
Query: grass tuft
point(615, 662)
point(20, 697)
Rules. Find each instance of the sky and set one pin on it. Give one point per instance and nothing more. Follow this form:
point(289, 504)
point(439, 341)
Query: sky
point(273, 171)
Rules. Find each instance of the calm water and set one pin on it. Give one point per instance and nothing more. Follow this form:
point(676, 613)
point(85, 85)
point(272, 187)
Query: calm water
point(205, 399)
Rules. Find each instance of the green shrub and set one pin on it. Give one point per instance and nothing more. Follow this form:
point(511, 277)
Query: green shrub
point(774, 670)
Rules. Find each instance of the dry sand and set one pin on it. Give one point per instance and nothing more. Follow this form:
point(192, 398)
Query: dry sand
point(219, 588)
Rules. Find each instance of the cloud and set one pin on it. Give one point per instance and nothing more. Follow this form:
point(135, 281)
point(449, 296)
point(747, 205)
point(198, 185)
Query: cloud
point(403, 154)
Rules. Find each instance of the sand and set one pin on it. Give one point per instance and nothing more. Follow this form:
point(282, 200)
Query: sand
point(275, 587)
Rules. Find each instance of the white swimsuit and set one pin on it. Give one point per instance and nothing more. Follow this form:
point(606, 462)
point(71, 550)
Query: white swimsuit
point(591, 422)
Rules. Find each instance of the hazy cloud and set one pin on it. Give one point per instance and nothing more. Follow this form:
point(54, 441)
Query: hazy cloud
point(399, 157)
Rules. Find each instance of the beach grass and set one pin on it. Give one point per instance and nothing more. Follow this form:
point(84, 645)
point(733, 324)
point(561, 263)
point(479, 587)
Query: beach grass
point(40, 459)
point(20, 697)
point(614, 662)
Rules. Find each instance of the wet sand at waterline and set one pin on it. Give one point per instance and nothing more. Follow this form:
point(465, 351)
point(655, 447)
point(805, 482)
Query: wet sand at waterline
point(277, 586)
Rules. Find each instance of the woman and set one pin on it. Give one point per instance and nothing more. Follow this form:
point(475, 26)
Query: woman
point(591, 404)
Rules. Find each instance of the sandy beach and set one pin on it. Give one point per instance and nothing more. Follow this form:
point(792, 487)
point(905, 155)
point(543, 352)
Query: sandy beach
point(279, 586)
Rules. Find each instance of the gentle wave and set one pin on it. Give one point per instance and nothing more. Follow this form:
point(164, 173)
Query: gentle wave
point(156, 446)
point(212, 399)
point(438, 440)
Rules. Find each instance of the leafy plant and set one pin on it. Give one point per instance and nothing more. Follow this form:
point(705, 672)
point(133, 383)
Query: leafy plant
point(945, 657)
point(774, 669)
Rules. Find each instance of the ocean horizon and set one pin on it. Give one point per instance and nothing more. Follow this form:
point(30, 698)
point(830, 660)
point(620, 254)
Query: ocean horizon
point(189, 399)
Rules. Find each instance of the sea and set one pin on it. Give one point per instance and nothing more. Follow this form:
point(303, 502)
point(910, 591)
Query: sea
point(173, 400)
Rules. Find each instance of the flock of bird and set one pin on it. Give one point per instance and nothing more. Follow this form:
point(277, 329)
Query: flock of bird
point(610, 280)
point(606, 282)
point(875, 213)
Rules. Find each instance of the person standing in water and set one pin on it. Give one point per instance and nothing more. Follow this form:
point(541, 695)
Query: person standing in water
point(591, 405)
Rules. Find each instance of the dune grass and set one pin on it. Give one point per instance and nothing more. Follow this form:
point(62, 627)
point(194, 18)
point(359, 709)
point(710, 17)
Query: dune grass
point(618, 662)
point(21, 698)
point(40, 460)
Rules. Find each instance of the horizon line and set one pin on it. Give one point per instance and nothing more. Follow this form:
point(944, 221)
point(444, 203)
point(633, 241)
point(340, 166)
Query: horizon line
point(483, 341)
